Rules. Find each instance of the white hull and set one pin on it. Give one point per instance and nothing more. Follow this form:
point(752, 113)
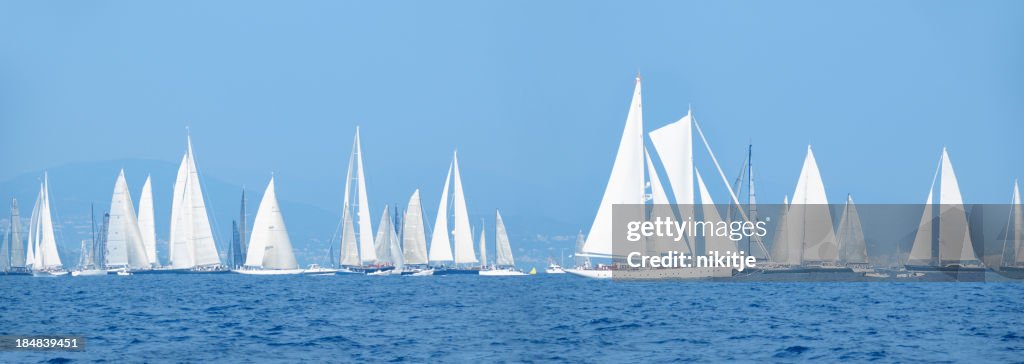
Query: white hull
point(501, 272)
point(268, 272)
point(321, 271)
point(389, 272)
point(424, 273)
point(89, 273)
point(47, 273)
point(654, 274)
point(554, 270)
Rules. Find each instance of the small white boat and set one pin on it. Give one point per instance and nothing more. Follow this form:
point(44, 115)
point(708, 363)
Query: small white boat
point(909, 275)
point(554, 269)
point(268, 272)
point(49, 273)
point(316, 269)
point(591, 273)
point(124, 273)
point(423, 273)
point(89, 273)
point(502, 272)
point(389, 272)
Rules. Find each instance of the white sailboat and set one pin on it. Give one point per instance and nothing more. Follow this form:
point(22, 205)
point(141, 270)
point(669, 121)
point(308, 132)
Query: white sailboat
point(627, 186)
point(87, 262)
point(191, 245)
point(387, 245)
point(147, 225)
point(414, 238)
point(17, 248)
point(504, 262)
point(42, 256)
point(853, 250)
point(462, 235)
point(125, 249)
point(1013, 235)
point(357, 250)
point(270, 248)
point(955, 251)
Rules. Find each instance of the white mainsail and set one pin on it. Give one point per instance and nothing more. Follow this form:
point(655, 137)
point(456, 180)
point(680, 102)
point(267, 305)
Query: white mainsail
point(382, 242)
point(501, 244)
point(809, 221)
point(782, 252)
point(146, 222)
point(954, 235)
point(626, 182)
point(463, 234)
point(674, 144)
point(42, 252)
point(440, 246)
point(712, 242)
point(852, 246)
point(33, 230)
point(17, 245)
point(124, 240)
point(269, 244)
point(658, 195)
point(414, 239)
point(483, 244)
point(361, 231)
point(1018, 225)
point(397, 260)
point(921, 252)
point(191, 240)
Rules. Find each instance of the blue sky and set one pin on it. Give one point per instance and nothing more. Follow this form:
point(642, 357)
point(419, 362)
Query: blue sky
point(532, 93)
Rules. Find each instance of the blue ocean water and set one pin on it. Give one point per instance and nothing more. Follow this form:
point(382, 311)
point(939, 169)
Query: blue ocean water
point(544, 318)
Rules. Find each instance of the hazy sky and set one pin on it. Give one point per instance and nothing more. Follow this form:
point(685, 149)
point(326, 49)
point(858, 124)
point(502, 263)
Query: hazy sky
point(533, 94)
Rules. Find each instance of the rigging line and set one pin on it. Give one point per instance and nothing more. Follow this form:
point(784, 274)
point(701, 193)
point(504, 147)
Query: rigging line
point(721, 173)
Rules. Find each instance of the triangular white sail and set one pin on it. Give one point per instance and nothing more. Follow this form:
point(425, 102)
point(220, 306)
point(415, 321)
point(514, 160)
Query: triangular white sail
point(501, 244)
point(440, 246)
point(124, 240)
point(349, 247)
point(43, 242)
point(712, 242)
point(674, 143)
point(852, 246)
point(483, 245)
point(809, 220)
point(463, 234)
point(954, 236)
point(658, 196)
point(397, 260)
point(626, 182)
point(1017, 237)
point(382, 242)
point(414, 239)
point(17, 245)
point(921, 252)
point(357, 212)
point(146, 223)
point(33, 230)
point(191, 240)
point(269, 244)
point(782, 250)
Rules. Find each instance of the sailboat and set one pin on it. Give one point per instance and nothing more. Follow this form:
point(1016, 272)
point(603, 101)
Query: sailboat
point(270, 248)
point(853, 250)
point(504, 262)
point(191, 247)
point(1013, 236)
point(42, 256)
point(87, 260)
point(440, 250)
point(16, 247)
point(357, 252)
point(388, 246)
point(147, 225)
point(414, 238)
point(951, 251)
point(236, 251)
point(633, 172)
point(125, 249)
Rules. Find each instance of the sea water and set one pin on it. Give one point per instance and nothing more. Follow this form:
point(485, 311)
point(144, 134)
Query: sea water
point(544, 318)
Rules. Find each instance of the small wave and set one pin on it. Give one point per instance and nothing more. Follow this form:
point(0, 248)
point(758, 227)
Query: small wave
point(792, 351)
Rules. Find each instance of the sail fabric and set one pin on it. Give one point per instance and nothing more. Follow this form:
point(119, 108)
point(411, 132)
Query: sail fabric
point(852, 246)
point(954, 236)
point(349, 249)
point(146, 223)
point(17, 246)
point(501, 243)
point(674, 144)
point(712, 242)
point(658, 196)
point(356, 212)
point(269, 244)
point(124, 240)
point(626, 182)
point(395, 253)
point(366, 252)
point(440, 246)
point(382, 242)
point(483, 245)
point(810, 221)
point(414, 239)
point(1018, 225)
point(463, 234)
point(191, 240)
point(44, 253)
point(33, 230)
point(783, 251)
point(179, 245)
point(921, 252)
